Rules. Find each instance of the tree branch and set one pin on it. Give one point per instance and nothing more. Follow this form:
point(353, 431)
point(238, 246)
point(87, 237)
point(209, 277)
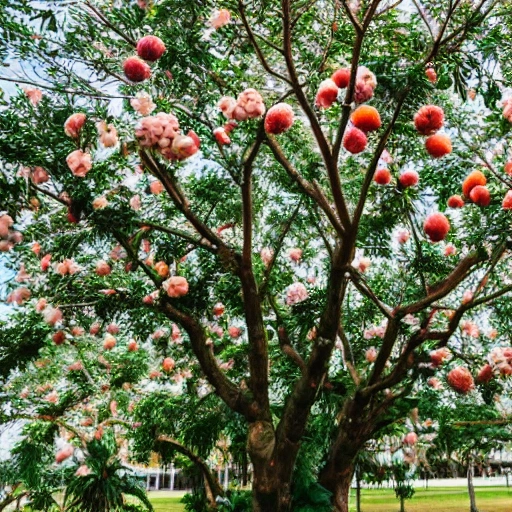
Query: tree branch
point(112, 27)
point(210, 479)
point(360, 283)
point(180, 201)
point(330, 162)
point(277, 249)
point(442, 289)
point(368, 179)
point(257, 49)
point(348, 356)
point(308, 188)
point(230, 393)
point(258, 346)
point(287, 348)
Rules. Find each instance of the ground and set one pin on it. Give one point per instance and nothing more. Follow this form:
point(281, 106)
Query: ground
point(439, 499)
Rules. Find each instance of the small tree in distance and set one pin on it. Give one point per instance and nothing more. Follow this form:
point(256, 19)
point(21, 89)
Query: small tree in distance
point(292, 205)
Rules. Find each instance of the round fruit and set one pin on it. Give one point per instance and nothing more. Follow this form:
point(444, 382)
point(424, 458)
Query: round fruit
point(480, 195)
point(279, 119)
point(436, 226)
point(136, 69)
point(455, 202)
point(150, 48)
point(354, 140)
point(409, 179)
point(438, 145)
point(366, 118)
point(474, 179)
point(429, 119)
point(382, 176)
point(341, 77)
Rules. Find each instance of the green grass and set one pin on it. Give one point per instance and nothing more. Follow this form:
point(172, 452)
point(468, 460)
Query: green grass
point(166, 502)
point(437, 499)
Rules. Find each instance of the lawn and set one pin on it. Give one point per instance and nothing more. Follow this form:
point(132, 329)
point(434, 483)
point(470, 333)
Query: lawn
point(439, 499)
point(167, 501)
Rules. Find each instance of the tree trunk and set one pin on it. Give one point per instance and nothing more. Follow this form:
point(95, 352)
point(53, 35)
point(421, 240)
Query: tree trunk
point(273, 465)
point(354, 430)
point(338, 482)
point(342, 493)
point(402, 504)
point(471, 487)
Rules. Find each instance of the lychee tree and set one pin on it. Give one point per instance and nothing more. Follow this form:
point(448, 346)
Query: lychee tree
point(305, 193)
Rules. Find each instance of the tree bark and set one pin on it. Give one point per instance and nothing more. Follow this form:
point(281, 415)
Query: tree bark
point(271, 478)
point(356, 426)
point(471, 487)
point(342, 490)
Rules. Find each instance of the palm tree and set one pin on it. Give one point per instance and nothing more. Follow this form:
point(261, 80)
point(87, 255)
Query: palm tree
point(106, 483)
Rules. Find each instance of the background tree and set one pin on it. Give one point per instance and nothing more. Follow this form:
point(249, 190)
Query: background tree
point(301, 270)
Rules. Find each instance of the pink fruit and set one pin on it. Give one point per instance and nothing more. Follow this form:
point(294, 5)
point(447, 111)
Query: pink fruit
point(136, 69)
point(150, 48)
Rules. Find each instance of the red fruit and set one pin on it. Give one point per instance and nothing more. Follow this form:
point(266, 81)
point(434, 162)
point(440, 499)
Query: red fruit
point(327, 94)
point(409, 178)
point(508, 168)
point(279, 119)
point(221, 136)
point(150, 48)
point(436, 226)
point(485, 374)
point(218, 309)
point(438, 145)
point(429, 119)
point(230, 126)
point(437, 357)
point(133, 346)
point(507, 201)
point(461, 380)
point(354, 140)
point(109, 343)
point(193, 135)
point(480, 195)
point(474, 179)
point(95, 328)
point(382, 176)
point(136, 69)
point(113, 328)
point(72, 217)
point(168, 364)
point(411, 438)
point(341, 77)
point(431, 75)
point(64, 454)
point(455, 202)
point(234, 331)
point(59, 337)
point(366, 118)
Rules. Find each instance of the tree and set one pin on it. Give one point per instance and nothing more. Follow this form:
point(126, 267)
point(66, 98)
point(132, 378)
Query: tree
point(258, 248)
point(104, 482)
point(466, 432)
